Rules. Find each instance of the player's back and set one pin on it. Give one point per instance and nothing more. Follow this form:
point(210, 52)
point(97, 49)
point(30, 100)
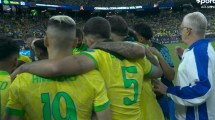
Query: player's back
point(151, 110)
point(4, 86)
point(69, 98)
point(123, 79)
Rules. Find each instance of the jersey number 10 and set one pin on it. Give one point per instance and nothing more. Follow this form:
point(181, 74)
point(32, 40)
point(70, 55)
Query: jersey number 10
point(54, 108)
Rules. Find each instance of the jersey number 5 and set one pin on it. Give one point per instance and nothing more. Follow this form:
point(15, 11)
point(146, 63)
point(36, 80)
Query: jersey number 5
point(55, 108)
point(128, 83)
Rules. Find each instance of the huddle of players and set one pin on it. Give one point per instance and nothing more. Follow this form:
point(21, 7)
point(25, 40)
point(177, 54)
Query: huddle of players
point(98, 80)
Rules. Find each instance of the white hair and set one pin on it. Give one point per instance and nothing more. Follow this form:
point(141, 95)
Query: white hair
point(197, 22)
point(63, 18)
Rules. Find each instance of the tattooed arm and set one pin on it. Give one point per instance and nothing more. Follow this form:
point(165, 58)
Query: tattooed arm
point(167, 70)
point(71, 65)
point(129, 50)
point(157, 70)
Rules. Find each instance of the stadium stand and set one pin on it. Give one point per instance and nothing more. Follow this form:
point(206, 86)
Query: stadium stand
point(165, 24)
point(103, 3)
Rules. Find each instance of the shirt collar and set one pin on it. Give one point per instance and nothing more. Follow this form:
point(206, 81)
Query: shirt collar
point(4, 73)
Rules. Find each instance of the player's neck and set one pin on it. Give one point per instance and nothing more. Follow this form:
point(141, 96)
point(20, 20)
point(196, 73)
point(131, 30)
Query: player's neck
point(118, 38)
point(58, 54)
point(4, 67)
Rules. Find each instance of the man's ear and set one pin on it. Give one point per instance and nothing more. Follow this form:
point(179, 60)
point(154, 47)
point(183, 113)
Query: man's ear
point(91, 41)
point(189, 32)
point(46, 41)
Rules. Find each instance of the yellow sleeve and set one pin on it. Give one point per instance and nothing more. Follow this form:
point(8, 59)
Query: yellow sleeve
point(94, 55)
point(25, 59)
point(101, 101)
point(5, 83)
point(146, 65)
point(14, 106)
point(75, 51)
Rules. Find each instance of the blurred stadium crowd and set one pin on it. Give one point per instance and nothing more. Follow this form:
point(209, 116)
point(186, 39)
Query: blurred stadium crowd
point(166, 25)
point(45, 36)
point(100, 3)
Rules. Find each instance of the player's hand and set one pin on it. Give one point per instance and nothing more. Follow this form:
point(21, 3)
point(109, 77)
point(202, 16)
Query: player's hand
point(153, 82)
point(16, 72)
point(159, 86)
point(179, 51)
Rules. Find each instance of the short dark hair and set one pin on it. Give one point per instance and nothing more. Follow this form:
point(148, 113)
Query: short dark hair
point(40, 45)
point(8, 47)
point(144, 30)
point(98, 26)
point(118, 25)
point(132, 34)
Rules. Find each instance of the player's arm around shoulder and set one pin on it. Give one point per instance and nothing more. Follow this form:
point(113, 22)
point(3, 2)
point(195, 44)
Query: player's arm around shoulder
point(101, 102)
point(14, 109)
point(168, 71)
point(150, 70)
point(151, 62)
point(71, 65)
point(129, 50)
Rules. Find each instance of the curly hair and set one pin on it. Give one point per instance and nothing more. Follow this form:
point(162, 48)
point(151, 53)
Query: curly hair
point(118, 25)
point(40, 44)
point(98, 26)
point(144, 30)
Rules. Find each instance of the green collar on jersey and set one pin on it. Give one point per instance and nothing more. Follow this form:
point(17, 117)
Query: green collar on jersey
point(4, 73)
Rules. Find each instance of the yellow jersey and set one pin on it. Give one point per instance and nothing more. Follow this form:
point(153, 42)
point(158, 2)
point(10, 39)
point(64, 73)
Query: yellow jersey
point(5, 82)
point(75, 51)
point(123, 80)
point(151, 110)
point(25, 59)
point(83, 47)
point(62, 98)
